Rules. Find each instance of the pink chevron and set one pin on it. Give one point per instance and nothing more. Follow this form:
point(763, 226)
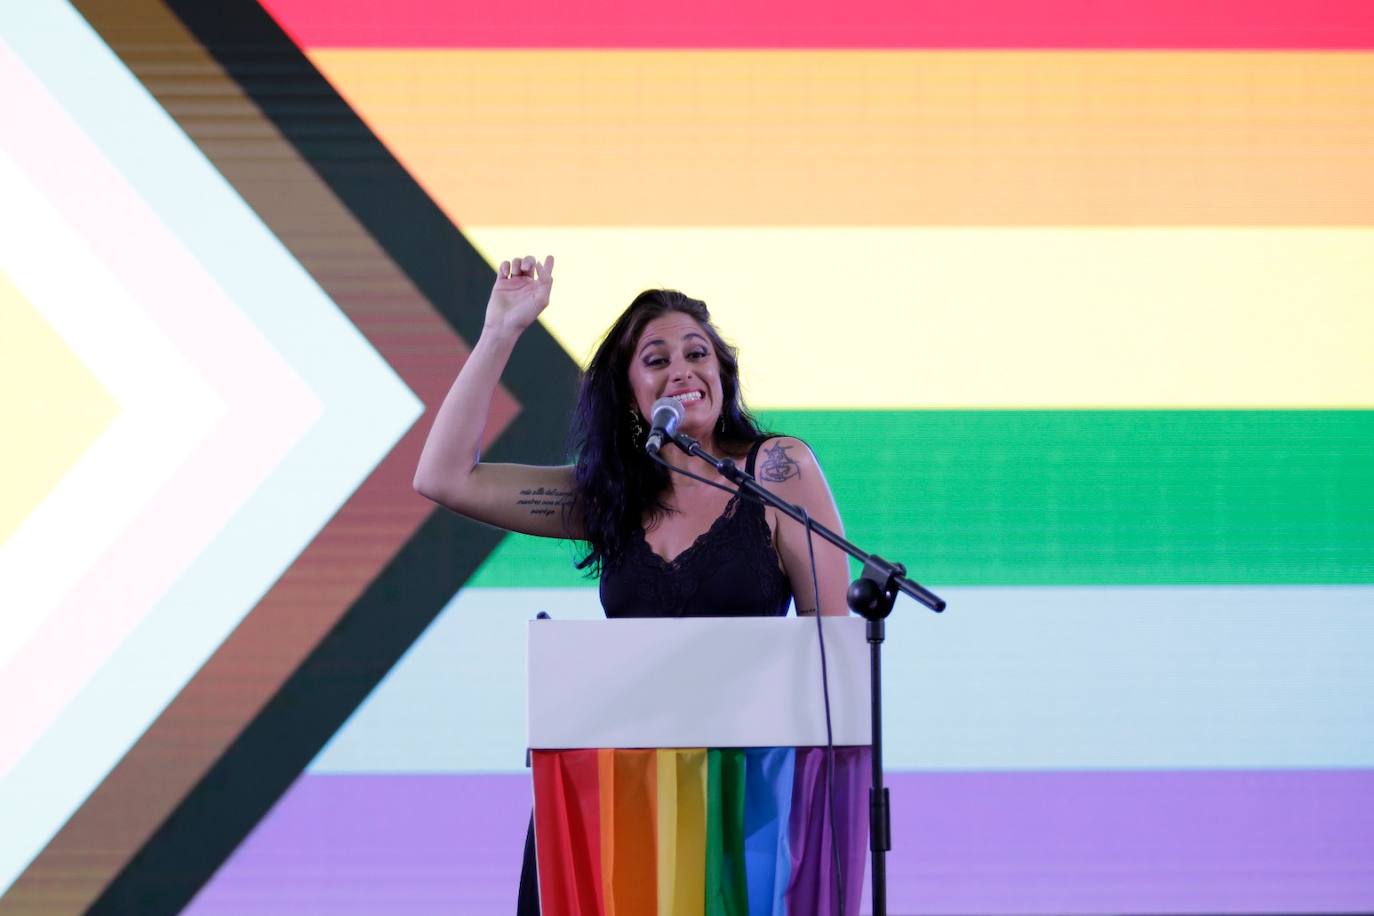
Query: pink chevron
point(267, 405)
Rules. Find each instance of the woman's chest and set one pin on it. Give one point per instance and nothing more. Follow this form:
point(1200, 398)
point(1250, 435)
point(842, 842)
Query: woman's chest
point(673, 535)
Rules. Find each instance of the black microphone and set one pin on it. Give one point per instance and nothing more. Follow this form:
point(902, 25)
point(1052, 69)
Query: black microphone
point(667, 416)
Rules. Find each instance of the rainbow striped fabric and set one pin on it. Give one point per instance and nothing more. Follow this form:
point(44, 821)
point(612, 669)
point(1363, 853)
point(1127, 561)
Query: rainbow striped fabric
point(699, 832)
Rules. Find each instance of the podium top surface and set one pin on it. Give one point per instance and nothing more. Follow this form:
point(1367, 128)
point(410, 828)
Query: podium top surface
point(695, 682)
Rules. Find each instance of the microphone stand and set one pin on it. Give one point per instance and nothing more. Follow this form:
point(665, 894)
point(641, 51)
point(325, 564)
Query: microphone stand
point(871, 596)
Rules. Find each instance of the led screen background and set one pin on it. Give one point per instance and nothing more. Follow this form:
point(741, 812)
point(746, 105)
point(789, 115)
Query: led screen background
point(1073, 303)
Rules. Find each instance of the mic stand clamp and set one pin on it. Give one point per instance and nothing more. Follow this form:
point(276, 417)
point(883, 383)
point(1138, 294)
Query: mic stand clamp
point(871, 596)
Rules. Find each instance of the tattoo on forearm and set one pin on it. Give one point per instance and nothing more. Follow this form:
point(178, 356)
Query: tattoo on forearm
point(545, 500)
point(778, 465)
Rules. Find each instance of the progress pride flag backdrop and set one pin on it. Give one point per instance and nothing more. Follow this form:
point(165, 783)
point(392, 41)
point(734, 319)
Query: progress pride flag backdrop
point(1126, 249)
point(1071, 302)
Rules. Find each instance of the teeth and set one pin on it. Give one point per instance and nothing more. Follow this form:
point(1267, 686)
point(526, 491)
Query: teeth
point(689, 396)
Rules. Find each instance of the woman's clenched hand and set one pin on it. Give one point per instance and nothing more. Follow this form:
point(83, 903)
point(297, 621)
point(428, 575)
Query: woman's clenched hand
point(520, 293)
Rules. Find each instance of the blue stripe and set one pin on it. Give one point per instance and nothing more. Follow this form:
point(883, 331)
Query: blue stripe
point(767, 808)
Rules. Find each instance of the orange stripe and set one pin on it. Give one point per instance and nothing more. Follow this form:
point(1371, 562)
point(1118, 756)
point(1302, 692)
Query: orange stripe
point(634, 877)
point(896, 138)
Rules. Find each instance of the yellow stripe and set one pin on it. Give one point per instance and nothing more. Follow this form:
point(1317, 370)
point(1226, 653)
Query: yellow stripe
point(681, 832)
point(51, 410)
point(992, 318)
point(810, 138)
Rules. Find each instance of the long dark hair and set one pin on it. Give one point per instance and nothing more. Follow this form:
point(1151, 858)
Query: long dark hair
point(616, 482)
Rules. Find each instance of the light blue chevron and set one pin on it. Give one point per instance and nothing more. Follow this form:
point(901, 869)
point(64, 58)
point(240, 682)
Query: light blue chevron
point(366, 409)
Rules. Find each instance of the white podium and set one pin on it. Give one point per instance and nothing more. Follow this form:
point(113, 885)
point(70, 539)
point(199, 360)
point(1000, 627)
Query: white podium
point(680, 765)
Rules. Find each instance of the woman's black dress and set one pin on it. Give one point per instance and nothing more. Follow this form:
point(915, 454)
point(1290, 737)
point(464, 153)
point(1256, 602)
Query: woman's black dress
point(732, 570)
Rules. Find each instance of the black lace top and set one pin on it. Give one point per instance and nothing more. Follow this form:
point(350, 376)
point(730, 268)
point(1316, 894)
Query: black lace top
point(731, 570)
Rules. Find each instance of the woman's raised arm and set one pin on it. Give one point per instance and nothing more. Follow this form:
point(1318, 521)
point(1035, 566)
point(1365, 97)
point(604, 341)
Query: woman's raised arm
point(525, 498)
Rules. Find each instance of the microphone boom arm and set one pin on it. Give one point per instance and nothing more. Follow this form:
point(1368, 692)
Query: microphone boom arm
point(872, 596)
point(888, 577)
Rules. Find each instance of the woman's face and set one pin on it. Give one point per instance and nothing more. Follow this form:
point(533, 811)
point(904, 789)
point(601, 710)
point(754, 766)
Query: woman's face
point(674, 358)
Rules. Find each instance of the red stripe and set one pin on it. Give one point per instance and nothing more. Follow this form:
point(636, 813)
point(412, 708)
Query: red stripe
point(568, 832)
point(1002, 24)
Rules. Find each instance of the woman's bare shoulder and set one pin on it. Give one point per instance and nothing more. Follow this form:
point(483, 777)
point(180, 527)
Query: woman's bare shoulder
point(784, 458)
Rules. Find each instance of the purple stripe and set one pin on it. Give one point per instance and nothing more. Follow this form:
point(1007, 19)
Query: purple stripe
point(811, 889)
point(962, 843)
point(393, 844)
point(1151, 841)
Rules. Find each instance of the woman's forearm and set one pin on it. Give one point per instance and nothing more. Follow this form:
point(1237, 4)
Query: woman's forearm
point(453, 446)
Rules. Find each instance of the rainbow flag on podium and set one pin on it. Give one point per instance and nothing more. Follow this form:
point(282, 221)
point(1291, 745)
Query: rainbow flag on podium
point(700, 831)
point(630, 821)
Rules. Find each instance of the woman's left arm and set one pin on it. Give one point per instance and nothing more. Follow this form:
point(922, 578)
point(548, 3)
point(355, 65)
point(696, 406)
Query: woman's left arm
point(788, 468)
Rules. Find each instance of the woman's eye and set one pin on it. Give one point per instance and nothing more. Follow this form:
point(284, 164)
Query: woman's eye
point(655, 362)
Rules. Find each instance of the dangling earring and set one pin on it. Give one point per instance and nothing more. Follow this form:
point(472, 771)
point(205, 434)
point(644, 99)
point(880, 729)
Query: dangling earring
point(636, 427)
point(720, 427)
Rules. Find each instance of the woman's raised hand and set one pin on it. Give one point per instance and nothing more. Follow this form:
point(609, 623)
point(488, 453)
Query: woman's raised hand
point(521, 292)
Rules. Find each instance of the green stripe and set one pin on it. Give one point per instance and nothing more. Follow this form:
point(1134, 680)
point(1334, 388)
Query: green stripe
point(1081, 497)
point(524, 561)
point(727, 889)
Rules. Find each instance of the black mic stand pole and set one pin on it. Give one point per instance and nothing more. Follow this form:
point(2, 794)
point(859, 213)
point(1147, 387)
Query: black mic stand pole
point(871, 596)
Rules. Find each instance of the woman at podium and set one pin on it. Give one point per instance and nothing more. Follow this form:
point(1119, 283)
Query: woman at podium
point(663, 544)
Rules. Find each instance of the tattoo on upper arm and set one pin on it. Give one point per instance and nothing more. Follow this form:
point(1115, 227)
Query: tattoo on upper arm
point(545, 500)
point(778, 465)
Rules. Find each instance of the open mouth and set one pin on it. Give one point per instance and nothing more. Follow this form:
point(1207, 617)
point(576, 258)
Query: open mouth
point(687, 397)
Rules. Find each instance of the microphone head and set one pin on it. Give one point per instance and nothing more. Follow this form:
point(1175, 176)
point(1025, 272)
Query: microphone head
point(667, 414)
point(664, 418)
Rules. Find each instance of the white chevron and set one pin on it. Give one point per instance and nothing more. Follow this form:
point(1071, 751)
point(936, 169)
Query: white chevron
point(365, 409)
point(266, 411)
point(166, 409)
